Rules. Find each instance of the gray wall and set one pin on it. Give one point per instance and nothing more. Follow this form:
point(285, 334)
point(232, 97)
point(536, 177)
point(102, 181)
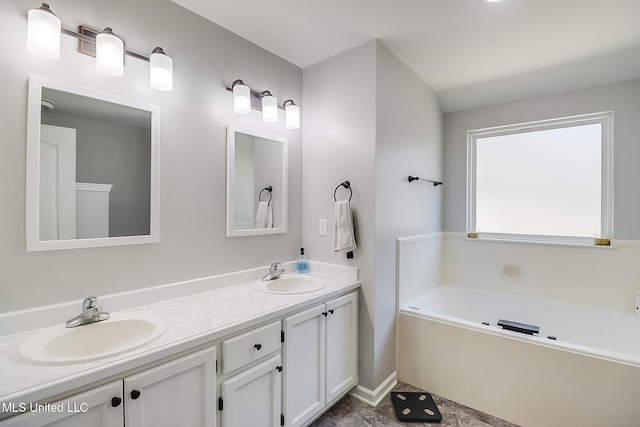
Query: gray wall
point(114, 154)
point(370, 120)
point(622, 97)
point(408, 142)
point(339, 144)
point(268, 172)
point(245, 200)
point(194, 117)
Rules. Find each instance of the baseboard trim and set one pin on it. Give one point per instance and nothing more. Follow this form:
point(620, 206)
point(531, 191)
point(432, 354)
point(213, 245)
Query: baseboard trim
point(374, 397)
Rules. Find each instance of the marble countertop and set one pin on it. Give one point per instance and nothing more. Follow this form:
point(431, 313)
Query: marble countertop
point(194, 320)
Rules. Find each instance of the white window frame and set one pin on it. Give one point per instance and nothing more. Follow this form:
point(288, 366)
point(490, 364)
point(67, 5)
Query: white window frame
point(605, 119)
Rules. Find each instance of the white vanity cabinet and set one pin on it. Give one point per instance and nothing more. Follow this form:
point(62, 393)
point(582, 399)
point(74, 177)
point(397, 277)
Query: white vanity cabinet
point(177, 393)
point(341, 354)
point(180, 392)
point(100, 407)
point(284, 367)
point(320, 358)
point(251, 396)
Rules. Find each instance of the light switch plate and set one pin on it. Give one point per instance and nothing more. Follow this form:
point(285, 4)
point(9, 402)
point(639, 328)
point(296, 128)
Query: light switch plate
point(322, 227)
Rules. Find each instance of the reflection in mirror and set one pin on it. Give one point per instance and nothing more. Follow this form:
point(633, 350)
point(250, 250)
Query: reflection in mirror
point(256, 182)
point(92, 168)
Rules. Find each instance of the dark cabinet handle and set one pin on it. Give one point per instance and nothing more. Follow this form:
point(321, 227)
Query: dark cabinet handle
point(331, 311)
point(279, 368)
point(116, 401)
point(258, 346)
point(324, 313)
point(135, 394)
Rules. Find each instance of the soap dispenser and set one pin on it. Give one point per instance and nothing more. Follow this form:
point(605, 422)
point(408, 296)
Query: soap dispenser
point(303, 264)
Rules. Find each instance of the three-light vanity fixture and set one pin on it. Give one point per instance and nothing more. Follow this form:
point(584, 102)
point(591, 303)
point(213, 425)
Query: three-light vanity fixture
point(245, 98)
point(43, 39)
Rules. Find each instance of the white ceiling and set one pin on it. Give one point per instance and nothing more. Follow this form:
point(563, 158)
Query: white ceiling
point(471, 52)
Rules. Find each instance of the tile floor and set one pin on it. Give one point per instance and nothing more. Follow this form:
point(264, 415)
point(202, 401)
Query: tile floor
point(351, 412)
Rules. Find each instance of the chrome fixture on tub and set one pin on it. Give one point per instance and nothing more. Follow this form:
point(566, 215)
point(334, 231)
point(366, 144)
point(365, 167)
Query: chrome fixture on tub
point(275, 271)
point(91, 313)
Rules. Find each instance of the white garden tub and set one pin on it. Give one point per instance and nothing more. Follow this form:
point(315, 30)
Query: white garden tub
point(581, 369)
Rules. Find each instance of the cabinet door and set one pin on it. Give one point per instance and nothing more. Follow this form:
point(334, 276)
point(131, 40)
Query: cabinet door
point(99, 407)
point(304, 362)
point(253, 397)
point(342, 346)
point(177, 393)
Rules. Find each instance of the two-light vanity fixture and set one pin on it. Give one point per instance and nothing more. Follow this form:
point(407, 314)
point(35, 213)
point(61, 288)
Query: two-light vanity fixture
point(245, 98)
point(43, 39)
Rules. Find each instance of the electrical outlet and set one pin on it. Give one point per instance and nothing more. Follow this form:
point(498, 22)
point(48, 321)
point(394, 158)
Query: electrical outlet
point(322, 227)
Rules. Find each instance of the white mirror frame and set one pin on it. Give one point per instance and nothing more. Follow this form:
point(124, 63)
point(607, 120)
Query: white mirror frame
point(231, 231)
point(33, 243)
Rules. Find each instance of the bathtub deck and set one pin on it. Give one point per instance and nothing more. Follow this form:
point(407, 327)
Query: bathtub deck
point(351, 412)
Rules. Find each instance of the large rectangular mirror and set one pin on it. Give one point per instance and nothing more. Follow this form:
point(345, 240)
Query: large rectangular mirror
point(92, 168)
point(256, 182)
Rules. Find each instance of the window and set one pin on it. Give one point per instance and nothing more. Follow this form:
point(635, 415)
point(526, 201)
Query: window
point(550, 180)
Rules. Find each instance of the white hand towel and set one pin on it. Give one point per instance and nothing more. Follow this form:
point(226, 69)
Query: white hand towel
point(269, 216)
point(264, 215)
point(343, 236)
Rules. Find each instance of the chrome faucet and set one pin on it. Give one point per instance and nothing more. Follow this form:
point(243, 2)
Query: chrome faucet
point(275, 271)
point(91, 313)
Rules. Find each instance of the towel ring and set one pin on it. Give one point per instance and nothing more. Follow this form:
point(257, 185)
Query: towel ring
point(346, 185)
point(269, 189)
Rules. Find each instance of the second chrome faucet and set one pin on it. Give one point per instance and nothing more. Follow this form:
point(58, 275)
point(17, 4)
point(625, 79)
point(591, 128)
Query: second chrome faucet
point(91, 313)
point(275, 271)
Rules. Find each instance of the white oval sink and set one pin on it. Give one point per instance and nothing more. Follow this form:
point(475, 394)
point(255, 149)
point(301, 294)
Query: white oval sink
point(290, 284)
point(121, 333)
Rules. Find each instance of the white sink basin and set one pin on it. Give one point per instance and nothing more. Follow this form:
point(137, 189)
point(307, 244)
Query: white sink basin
point(290, 284)
point(121, 333)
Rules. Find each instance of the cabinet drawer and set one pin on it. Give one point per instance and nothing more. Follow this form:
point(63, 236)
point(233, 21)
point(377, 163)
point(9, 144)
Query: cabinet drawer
point(250, 346)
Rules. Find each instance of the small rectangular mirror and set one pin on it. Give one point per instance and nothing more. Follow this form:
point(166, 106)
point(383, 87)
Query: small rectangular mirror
point(92, 168)
point(256, 182)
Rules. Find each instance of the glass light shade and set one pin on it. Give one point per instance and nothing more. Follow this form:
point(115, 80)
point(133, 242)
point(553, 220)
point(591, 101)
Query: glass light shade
point(160, 70)
point(109, 53)
point(43, 33)
point(241, 99)
point(292, 116)
point(269, 108)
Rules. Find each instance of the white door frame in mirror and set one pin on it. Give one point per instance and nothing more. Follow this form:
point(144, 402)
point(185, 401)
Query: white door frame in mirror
point(33, 242)
point(280, 223)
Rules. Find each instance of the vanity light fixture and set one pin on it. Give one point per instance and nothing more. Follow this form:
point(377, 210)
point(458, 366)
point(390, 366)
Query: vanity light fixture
point(43, 32)
point(160, 70)
point(109, 53)
point(43, 39)
point(269, 107)
point(245, 99)
point(292, 114)
point(241, 97)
